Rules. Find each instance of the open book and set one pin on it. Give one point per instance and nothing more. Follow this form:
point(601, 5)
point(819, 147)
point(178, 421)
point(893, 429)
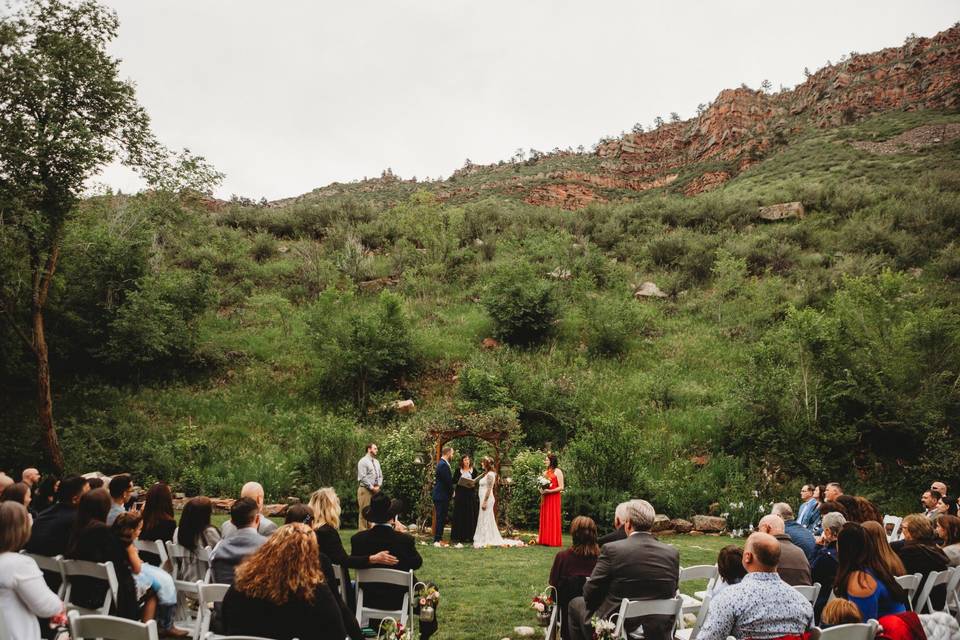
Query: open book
point(469, 483)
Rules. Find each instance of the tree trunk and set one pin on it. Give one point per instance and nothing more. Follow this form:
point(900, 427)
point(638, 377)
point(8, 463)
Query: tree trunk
point(44, 398)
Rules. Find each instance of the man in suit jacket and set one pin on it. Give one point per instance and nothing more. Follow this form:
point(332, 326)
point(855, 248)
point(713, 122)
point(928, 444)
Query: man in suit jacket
point(618, 533)
point(638, 568)
point(381, 513)
point(442, 492)
point(52, 529)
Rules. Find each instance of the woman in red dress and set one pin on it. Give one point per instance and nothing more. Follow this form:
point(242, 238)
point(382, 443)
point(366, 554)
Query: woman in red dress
point(551, 518)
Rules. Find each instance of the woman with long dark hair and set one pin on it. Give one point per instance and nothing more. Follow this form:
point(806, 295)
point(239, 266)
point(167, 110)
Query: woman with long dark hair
point(195, 532)
point(466, 504)
point(863, 578)
point(158, 519)
point(948, 530)
point(551, 509)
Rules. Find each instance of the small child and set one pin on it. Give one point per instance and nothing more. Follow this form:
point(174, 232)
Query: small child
point(127, 526)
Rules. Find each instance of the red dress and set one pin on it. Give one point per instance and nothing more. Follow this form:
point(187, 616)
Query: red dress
point(551, 520)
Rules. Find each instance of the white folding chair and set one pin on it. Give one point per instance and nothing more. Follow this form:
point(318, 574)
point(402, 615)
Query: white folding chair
point(706, 572)
point(691, 633)
point(341, 575)
point(810, 592)
point(98, 570)
point(110, 628)
point(50, 565)
point(895, 531)
point(953, 594)
point(860, 631)
point(188, 591)
point(552, 632)
point(387, 577)
point(209, 595)
point(935, 579)
point(156, 547)
point(630, 609)
point(910, 584)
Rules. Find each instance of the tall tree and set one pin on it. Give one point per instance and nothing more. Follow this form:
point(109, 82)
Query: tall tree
point(64, 114)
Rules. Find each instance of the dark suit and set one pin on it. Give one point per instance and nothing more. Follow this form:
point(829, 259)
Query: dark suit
point(402, 546)
point(638, 568)
point(613, 536)
point(442, 492)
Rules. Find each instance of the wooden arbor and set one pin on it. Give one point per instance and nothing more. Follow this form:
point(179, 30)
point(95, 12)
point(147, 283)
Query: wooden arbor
point(497, 429)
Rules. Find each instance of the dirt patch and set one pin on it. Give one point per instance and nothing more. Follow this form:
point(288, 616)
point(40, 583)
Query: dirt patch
point(914, 139)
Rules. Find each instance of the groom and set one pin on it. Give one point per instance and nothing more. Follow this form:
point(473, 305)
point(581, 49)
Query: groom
point(442, 491)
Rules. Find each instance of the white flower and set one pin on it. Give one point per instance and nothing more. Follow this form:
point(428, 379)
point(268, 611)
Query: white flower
point(538, 606)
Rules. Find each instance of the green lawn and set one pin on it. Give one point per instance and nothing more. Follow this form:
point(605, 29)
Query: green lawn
point(485, 593)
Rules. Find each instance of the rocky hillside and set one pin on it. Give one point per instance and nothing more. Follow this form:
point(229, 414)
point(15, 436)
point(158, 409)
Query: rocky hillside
point(736, 130)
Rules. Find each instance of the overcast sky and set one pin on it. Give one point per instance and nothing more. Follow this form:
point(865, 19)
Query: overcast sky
point(288, 96)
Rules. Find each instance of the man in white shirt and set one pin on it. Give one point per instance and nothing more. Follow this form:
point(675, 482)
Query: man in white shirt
point(369, 480)
point(265, 526)
point(120, 487)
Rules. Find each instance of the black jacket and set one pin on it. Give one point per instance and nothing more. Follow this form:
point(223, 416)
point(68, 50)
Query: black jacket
point(402, 546)
point(443, 487)
point(613, 536)
point(51, 530)
point(320, 620)
point(919, 557)
point(97, 543)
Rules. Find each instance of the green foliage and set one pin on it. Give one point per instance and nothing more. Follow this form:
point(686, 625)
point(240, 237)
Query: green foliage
point(524, 508)
point(360, 350)
point(522, 306)
point(612, 324)
point(403, 478)
point(328, 448)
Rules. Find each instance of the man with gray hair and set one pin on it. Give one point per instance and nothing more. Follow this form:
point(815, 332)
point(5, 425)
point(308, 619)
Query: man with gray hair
point(638, 567)
point(793, 567)
point(618, 533)
point(799, 534)
point(823, 564)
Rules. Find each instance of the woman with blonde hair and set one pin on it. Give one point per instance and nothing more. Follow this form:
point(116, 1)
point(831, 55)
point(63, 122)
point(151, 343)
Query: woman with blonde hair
point(877, 537)
point(840, 611)
point(280, 591)
point(326, 525)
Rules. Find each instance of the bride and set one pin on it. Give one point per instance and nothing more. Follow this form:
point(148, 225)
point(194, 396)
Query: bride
point(487, 533)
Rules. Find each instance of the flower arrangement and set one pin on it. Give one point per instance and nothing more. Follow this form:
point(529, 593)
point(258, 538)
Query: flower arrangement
point(602, 629)
point(428, 595)
point(543, 603)
point(742, 516)
point(390, 629)
point(543, 483)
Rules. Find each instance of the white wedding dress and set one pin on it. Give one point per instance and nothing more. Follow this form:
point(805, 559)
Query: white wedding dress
point(487, 533)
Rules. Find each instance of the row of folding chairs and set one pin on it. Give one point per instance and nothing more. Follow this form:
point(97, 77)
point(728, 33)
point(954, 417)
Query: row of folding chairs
point(69, 570)
point(91, 627)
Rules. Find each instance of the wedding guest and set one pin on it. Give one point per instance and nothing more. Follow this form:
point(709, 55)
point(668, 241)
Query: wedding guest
point(94, 541)
point(195, 532)
point(551, 509)
point(882, 549)
point(840, 611)
point(639, 567)
point(17, 492)
point(948, 531)
point(799, 535)
point(442, 492)
point(819, 493)
point(53, 527)
point(939, 487)
point(823, 564)
point(809, 513)
point(46, 494)
point(384, 535)
point(572, 567)
point(830, 506)
point(159, 522)
point(31, 478)
point(869, 512)
point(792, 564)
point(127, 528)
point(280, 591)
point(5, 480)
point(851, 508)
point(947, 506)
point(121, 488)
point(762, 605)
point(920, 554)
point(231, 551)
point(466, 503)
point(832, 491)
point(265, 526)
point(369, 480)
point(929, 500)
point(24, 596)
point(863, 578)
point(730, 570)
point(618, 533)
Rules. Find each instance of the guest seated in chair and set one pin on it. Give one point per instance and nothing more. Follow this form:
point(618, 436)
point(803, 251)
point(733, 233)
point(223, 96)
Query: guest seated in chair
point(280, 591)
point(618, 533)
point(572, 567)
point(639, 568)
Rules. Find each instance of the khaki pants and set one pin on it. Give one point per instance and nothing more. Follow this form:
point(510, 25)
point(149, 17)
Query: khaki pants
point(363, 501)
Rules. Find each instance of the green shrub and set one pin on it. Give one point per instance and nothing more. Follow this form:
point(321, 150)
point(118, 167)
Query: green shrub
point(612, 324)
point(522, 306)
point(264, 247)
point(524, 507)
point(327, 448)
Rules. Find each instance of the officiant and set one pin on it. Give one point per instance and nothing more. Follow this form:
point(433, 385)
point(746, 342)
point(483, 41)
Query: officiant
point(466, 502)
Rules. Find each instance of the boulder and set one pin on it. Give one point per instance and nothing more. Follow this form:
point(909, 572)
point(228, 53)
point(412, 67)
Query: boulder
point(681, 526)
point(648, 290)
point(404, 407)
point(709, 524)
point(489, 343)
point(561, 274)
point(222, 505)
point(275, 510)
point(524, 632)
point(660, 523)
point(782, 211)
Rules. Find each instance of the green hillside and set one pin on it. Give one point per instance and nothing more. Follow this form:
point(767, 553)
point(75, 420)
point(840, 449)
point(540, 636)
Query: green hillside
point(210, 345)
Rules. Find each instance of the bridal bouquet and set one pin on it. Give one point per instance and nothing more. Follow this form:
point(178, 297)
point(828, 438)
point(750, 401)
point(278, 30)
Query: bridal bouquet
point(543, 483)
point(602, 629)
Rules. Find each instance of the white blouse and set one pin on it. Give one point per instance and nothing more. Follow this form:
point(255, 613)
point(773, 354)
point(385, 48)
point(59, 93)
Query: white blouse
point(24, 596)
